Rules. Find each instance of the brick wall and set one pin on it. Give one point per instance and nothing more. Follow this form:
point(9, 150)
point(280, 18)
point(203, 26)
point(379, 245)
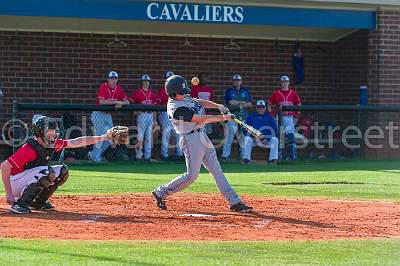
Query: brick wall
point(384, 72)
point(67, 67)
point(349, 67)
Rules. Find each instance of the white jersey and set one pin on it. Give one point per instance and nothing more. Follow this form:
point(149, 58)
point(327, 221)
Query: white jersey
point(180, 126)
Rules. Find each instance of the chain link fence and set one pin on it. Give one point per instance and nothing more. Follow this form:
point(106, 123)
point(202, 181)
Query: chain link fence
point(345, 131)
point(322, 132)
point(151, 134)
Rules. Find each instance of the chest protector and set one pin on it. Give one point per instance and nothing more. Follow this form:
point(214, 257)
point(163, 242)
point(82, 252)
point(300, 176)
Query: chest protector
point(43, 155)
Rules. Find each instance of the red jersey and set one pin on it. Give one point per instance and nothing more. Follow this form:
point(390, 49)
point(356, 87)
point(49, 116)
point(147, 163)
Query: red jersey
point(107, 93)
point(27, 154)
point(141, 96)
point(162, 97)
point(202, 92)
point(289, 97)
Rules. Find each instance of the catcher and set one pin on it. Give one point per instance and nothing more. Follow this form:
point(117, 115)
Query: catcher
point(29, 180)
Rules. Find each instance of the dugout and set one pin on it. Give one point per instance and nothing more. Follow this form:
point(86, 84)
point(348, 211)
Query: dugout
point(59, 51)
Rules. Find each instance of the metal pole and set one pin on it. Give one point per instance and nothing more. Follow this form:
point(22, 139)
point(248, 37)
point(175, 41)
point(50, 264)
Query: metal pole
point(14, 117)
point(281, 140)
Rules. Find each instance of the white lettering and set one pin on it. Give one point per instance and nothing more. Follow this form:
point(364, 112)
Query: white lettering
point(228, 11)
point(175, 12)
point(216, 16)
point(196, 14)
point(186, 13)
point(207, 13)
point(165, 13)
point(239, 14)
point(149, 14)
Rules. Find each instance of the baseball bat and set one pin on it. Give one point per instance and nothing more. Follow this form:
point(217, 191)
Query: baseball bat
point(256, 133)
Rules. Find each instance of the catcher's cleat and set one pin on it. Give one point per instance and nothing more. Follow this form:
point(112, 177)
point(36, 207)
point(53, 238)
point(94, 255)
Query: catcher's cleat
point(160, 203)
point(20, 208)
point(45, 207)
point(241, 207)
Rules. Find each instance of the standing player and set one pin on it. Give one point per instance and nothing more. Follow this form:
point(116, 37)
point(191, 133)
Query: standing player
point(110, 93)
point(166, 127)
point(187, 117)
point(145, 120)
point(28, 179)
point(204, 92)
point(240, 97)
point(287, 96)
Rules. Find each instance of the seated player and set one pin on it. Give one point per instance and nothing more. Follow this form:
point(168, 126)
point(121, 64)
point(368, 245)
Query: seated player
point(187, 115)
point(28, 179)
point(264, 122)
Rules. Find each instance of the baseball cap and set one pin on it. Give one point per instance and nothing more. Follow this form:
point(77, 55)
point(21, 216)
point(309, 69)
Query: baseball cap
point(261, 103)
point(145, 77)
point(168, 74)
point(112, 74)
point(285, 78)
point(236, 77)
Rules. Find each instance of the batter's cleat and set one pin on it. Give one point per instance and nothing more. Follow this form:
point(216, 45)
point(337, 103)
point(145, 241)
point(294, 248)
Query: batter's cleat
point(20, 208)
point(241, 207)
point(160, 203)
point(45, 207)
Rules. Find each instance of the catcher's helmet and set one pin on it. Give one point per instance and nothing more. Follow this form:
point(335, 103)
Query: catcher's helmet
point(176, 85)
point(41, 124)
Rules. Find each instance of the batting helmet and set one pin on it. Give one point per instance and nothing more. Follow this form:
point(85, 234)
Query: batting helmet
point(176, 85)
point(42, 124)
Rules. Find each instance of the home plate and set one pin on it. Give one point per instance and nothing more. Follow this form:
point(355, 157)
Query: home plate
point(195, 215)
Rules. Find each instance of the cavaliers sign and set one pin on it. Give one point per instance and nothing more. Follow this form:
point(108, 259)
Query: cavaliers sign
point(195, 13)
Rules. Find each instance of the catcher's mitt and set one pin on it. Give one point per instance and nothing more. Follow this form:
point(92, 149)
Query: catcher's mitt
point(118, 135)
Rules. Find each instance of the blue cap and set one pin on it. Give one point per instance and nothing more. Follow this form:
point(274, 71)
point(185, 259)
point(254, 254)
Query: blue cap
point(168, 74)
point(260, 103)
point(285, 78)
point(112, 74)
point(236, 77)
point(145, 77)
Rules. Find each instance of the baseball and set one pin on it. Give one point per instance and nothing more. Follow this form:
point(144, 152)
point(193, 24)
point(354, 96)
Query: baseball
point(195, 81)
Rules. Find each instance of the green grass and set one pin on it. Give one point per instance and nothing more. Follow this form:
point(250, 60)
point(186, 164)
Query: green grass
point(353, 252)
point(363, 180)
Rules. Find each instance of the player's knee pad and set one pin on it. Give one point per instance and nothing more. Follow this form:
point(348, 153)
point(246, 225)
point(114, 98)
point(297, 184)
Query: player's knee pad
point(33, 190)
point(63, 177)
point(41, 199)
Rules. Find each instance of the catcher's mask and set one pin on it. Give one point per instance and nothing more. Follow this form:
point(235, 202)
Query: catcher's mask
point(45, 128)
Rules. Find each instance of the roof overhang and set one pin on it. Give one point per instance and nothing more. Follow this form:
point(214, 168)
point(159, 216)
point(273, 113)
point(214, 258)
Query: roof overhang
point(184, 19)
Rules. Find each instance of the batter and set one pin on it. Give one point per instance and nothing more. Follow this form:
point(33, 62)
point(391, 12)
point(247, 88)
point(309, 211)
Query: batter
point(188, 119)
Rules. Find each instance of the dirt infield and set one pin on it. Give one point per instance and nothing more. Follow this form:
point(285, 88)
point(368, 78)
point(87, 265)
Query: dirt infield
point(203, 217)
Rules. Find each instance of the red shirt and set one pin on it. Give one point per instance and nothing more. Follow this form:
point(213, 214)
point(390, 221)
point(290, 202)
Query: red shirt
point(140, 96)
point(27, 154)
point(162, 97)
point(202, 92)
point(107, 93)
point(289, 97)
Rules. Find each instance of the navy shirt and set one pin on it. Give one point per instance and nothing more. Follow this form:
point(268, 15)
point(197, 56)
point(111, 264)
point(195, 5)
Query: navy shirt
point(265, 123)
point(239, 95)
